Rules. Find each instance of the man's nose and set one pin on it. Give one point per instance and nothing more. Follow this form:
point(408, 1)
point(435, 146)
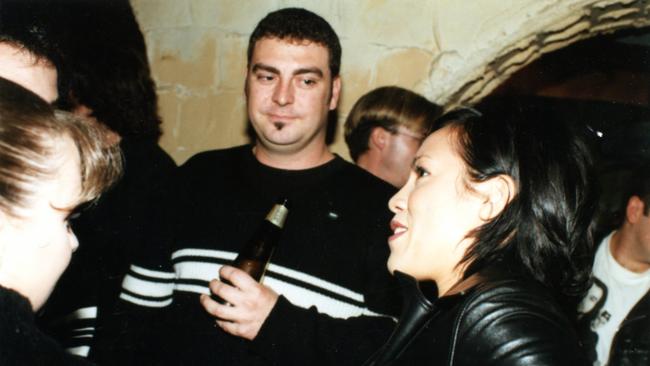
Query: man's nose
point(283, 93)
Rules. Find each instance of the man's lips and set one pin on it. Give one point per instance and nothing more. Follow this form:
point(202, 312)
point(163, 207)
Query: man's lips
point(280, 117)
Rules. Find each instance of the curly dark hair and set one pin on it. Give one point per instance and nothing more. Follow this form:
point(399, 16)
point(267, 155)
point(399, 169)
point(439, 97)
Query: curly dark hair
point(299, 25)
point(106, 54)
point(26, 26)
point(545, 232)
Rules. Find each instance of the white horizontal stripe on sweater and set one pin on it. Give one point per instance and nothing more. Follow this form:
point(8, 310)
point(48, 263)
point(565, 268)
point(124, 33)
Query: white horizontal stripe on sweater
point(208, 272)
point(82, 313)
point(153, 274)
point(297, 295)
point(145, 303)
point(205, 271)
point(79, 351)
point(208, 253)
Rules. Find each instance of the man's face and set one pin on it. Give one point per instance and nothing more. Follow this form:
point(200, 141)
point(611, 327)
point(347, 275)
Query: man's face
point(25, 70)
point(398, 155)
point(290, 90)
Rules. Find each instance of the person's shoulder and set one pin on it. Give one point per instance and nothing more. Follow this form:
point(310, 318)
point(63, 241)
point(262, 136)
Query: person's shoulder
point(212, 158)
point(362, 182)
point(520, 316)
point(507, 291)
point(146, 154)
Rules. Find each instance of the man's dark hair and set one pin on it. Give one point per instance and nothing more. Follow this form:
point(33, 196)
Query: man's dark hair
point(639, 186)
point(621, 183)
point(387, 107)
point(546, 229)
point(26, 26)
point(296, 24)
point(109, 72)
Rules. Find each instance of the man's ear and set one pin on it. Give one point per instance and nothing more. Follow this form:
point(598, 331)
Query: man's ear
point(379, 138)
point(634, 209)
point(336, 93)
point(498, 192)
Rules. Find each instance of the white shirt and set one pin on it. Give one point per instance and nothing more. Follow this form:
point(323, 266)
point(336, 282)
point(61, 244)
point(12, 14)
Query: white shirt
point(624, 289)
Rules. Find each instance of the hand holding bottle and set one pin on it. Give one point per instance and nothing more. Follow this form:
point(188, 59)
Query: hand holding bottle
point(248, 303)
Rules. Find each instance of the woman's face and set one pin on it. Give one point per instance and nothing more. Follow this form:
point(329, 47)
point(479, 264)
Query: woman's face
point(434, 211)
point(35, 248)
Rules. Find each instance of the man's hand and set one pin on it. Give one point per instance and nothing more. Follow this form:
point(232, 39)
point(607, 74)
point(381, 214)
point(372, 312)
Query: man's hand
point(249, 303)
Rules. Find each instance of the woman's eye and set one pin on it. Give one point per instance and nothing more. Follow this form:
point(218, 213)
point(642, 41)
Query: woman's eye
point(421, 172)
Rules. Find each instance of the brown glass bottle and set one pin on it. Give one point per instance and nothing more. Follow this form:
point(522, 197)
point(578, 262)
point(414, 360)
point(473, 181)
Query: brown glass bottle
point(255, 255)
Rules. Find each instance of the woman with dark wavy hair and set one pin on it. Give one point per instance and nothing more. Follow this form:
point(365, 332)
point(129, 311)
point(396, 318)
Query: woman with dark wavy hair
point(497, 211)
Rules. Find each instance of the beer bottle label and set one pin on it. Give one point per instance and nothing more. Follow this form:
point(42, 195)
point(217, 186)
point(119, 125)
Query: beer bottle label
point(277, 215)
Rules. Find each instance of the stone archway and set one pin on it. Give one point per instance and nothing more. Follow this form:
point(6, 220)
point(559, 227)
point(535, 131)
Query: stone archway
point(463, 75)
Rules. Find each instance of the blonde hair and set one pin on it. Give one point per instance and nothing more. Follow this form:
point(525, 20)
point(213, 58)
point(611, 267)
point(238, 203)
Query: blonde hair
point(28, 129)
point(387, 107)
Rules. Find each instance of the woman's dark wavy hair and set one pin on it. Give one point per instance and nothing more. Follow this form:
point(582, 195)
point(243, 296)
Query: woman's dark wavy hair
point(546, 230)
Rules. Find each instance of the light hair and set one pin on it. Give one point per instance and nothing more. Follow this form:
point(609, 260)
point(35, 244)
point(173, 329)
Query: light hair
point(29, 128)
point(387, 107)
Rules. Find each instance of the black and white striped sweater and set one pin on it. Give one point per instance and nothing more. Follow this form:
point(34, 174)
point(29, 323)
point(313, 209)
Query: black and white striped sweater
point(330, 267)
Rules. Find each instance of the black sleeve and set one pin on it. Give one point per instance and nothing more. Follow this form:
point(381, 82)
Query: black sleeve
point(297, 336)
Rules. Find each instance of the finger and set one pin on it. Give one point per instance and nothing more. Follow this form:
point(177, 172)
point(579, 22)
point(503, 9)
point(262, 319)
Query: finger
point(225, 292)
point(222, 312)
point(208, 304)
point(238, 278)
point(229, 327)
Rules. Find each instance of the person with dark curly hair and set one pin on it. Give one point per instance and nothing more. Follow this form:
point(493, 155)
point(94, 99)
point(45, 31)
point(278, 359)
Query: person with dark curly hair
point(28, 53)
point(108, 80)
point(326, 297)
point(498, 211)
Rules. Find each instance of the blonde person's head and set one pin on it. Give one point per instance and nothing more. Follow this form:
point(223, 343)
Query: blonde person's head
point(28, 129)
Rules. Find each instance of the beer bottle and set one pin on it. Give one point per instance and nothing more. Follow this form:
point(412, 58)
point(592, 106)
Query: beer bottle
point(255, 255)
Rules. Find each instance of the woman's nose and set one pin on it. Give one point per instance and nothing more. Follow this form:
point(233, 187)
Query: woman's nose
point(397, 203)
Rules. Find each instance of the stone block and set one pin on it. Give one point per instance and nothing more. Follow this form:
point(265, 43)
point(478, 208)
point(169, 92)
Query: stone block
point(185, 57)
point(155, 14)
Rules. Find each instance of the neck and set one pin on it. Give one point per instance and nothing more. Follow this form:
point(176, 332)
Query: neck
point(371, 162)
point(293, 160)
point(625, 250)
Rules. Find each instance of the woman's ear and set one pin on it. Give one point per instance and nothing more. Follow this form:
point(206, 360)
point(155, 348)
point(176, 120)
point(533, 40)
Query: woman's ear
point(498, 192)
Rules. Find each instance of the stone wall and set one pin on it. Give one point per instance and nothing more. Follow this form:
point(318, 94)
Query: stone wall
point(451, 51)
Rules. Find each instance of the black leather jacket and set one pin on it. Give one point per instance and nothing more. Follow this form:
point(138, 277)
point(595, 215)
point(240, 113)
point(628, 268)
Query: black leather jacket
point(499, 320)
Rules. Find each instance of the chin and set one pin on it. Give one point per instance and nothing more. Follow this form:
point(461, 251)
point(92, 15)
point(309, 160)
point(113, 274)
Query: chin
point(393, 265)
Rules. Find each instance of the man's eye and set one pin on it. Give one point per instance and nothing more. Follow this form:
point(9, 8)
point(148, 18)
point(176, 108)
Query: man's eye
point(309, 82)
point(263, 77)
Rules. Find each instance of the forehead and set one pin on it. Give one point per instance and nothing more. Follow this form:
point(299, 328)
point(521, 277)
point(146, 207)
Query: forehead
point(290, 51)
point(441, 142)
point(67, 179)
point(24, 69)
